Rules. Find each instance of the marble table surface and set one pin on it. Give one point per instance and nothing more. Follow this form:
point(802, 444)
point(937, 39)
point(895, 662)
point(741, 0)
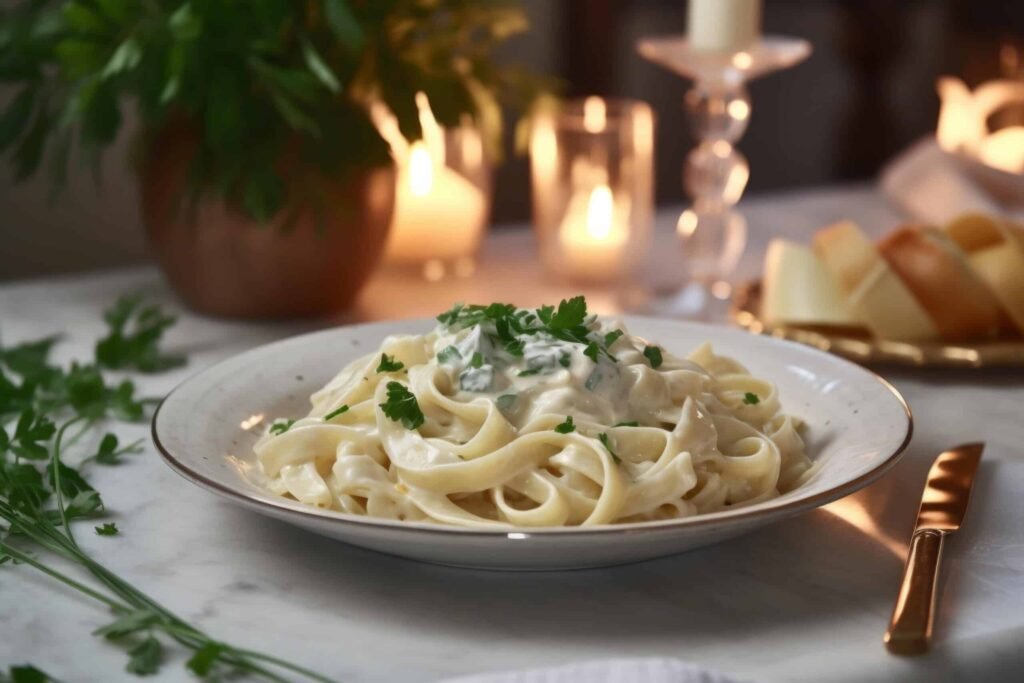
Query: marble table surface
point(803, 600)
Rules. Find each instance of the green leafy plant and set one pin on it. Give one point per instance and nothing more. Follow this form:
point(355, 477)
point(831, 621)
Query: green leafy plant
point(269, 92)
point(45, 496)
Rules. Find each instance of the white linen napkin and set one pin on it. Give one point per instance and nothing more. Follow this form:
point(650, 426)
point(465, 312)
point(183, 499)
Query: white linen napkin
point(638, 670)
point(929, 186)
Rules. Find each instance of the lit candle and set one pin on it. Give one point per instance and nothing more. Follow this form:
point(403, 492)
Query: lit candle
point(439, 215)
point(723, 25)
point(1004, 149)
point(594, 235)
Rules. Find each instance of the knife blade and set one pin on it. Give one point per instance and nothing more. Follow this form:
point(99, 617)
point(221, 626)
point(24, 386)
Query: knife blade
point(943, 506)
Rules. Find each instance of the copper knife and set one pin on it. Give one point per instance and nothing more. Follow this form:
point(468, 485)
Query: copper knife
point(942, 512)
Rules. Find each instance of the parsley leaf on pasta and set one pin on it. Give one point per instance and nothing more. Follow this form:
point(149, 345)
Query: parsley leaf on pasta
point(653, 356)
point(603, 437)
point(389, 364)
point(566, 427)
point(281, 426)
point(612, 337)
point(402, 406)
point(571, 313)
point(335, 413)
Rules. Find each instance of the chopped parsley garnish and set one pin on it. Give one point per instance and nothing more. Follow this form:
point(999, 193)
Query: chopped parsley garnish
point(506, 325)
point(653, 356)
point(515, 347)
point(530, 372)
point(570, 314)
point(402, 406)
point(335, 413)
point(449, 317)
point(612, 337)
point(389, 364)
point(506, 402)
point(477, 360)
point(751, 399)
point(565, 360)
point(448, 354)
point(592, 351)
point(567, 426)
point(628, 423)
point(603, 436)
point(108, 529)
point(281, 426)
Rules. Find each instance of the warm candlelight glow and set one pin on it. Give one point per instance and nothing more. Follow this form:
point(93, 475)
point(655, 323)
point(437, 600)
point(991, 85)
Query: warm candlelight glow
point(599, 213)
point(543, 150)
point(591, 174)
point(439, 214)
point(963, 122)
point(421, 170)
point(1004, 149)
point(594, 235)
point(738, 109)
point(251, 421)
point(742, 60)
point(595, 115)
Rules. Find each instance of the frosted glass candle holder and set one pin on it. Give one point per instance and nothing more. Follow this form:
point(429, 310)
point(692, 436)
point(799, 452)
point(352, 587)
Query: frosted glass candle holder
point(592, 171)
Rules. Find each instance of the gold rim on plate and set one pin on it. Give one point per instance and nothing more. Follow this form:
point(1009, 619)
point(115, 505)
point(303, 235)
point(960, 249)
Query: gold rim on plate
point(859, 347)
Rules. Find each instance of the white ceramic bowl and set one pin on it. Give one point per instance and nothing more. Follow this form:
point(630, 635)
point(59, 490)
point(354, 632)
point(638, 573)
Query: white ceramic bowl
point(858, 425)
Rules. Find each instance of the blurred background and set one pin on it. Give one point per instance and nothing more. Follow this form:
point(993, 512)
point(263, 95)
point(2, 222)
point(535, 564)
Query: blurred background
point(867, 91)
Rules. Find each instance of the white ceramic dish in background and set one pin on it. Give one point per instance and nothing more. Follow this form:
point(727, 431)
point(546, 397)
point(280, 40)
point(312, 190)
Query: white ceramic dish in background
point(858, 425)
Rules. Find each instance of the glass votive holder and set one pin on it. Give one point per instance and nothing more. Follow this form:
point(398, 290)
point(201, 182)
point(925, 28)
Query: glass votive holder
point(442, 199)
point(592, 171)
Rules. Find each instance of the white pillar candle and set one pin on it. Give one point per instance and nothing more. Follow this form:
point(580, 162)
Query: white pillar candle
point(723, 25)
point(438, 213)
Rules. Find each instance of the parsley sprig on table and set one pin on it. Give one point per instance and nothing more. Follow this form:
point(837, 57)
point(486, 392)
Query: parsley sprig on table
point(44, 410)
point(506, 325)
point(133, 341)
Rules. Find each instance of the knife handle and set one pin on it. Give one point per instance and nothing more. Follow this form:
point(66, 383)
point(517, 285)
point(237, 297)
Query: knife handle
point(910, 628)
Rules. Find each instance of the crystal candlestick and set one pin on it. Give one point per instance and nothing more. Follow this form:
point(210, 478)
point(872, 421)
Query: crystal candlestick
point(713, 231)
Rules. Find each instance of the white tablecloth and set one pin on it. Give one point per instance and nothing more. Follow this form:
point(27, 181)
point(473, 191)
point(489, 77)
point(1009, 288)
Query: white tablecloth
point(804, 600)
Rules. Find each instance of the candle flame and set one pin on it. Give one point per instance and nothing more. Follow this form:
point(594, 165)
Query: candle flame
point(599, 213)
point(595, 115)
point(421, 169)
point(963, 122)
point(386, 123)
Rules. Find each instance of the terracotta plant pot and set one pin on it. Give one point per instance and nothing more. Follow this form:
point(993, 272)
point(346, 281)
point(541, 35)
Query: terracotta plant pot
point(223, 263)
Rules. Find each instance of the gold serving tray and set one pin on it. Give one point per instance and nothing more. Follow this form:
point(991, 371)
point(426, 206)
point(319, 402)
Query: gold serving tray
point(860, 347)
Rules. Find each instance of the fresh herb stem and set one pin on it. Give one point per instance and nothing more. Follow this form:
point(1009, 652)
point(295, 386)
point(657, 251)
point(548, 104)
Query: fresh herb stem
point(63, 578)
point(58, 491)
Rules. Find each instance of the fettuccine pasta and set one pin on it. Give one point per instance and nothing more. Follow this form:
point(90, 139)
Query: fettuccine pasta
point(503, 417)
